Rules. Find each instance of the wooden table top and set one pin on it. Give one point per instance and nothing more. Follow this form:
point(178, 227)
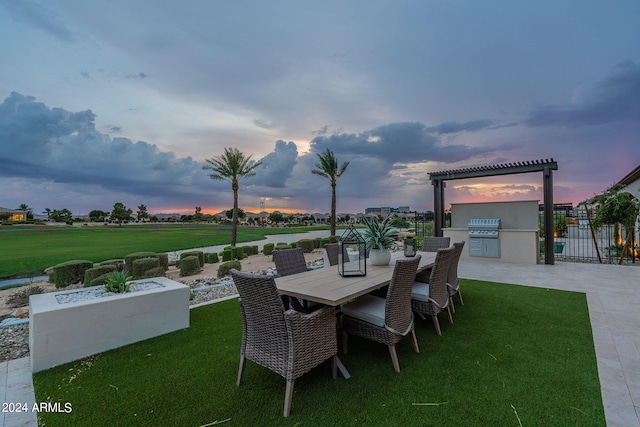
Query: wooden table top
point(326, 286)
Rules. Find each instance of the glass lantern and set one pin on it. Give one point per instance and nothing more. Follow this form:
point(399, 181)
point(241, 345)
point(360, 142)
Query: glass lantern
point(409, 247)
point(352, 251)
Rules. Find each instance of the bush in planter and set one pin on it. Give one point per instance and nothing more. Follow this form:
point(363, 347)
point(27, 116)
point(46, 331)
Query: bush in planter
point(154, 272)
point(189, 266)
point(226, 267)
point(142, 265)
point(118, 282)
point(198, 254)
point(70, 272)
point(267, 249)
point(212, 258)
point(98, 271)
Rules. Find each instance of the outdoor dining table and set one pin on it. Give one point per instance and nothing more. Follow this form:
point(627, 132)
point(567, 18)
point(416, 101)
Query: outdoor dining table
point(326, 286)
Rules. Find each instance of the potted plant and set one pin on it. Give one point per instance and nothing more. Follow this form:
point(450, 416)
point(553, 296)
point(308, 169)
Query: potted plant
point(379, 236)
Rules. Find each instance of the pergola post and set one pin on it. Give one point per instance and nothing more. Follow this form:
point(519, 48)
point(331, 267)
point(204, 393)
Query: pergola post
point(438, 206)
point(549, 256)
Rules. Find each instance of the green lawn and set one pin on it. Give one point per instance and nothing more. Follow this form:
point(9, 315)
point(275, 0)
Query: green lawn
point(28, 250)
point(515, 356)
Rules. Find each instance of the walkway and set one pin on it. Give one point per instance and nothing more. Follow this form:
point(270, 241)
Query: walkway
point(614, 308)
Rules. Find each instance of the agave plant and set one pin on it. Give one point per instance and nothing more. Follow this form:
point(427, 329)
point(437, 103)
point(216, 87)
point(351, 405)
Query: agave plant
point(117, 282)
point(379, 235)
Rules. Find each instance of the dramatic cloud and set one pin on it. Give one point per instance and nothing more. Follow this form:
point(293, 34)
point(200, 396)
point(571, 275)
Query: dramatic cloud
point(615, 98)
point(276, 167)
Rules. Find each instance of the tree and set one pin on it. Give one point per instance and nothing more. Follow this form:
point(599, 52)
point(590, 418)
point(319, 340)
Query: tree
point(328, 168)
point(27, 210)
point(97, 215)
point(47, 211)
point(63, 215)
point(276, 217)
point(120, 213)
point(229, 213)
point(617, 207)
point(198, 216)
point(232, 166)
point(142, 213)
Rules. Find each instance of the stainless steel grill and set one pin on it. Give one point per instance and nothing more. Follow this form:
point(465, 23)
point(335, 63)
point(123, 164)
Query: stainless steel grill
point(484, 228)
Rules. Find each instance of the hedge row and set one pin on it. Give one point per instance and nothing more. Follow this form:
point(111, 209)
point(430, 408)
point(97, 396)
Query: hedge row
point(95, 272)
point(70, 272)
point(189, 265)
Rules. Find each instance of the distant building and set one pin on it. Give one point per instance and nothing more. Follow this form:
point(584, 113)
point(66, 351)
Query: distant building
point(16, 215)
point(386, 210)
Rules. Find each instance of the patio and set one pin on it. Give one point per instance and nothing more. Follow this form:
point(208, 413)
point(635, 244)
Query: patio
point(612, 300)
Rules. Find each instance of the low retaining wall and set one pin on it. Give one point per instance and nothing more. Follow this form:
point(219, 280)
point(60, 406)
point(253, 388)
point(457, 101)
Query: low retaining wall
point(60, 333)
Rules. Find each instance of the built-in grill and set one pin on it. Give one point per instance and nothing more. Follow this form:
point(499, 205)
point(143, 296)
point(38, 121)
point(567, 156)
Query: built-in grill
point(484, 237)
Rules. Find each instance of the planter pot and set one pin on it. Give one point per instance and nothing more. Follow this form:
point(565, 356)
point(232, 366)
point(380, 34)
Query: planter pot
point(63, 332)
point(379, 257)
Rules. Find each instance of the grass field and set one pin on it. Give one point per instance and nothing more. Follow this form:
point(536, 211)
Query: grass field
point(28, 250)
point(514, 356)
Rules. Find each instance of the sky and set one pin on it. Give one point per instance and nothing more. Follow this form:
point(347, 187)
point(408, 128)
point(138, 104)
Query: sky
point(123, 101)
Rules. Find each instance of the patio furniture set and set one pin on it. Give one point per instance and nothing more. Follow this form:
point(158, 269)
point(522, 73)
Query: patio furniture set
point(289, 321)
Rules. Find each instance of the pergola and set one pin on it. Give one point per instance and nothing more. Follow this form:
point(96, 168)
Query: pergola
point(546, 166)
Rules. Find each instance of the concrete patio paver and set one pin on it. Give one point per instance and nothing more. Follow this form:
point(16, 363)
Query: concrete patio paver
point(614, 309)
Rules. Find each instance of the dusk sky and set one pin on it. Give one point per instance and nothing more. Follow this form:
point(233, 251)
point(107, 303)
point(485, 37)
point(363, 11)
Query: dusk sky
point(122, 101)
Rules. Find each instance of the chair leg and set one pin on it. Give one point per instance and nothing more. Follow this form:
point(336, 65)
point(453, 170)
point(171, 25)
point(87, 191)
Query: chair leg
point(334, 366)
point(415, 341)
point(460, 296)
point(394, 358)
point(436, 324)
point(288, 396)
point(453, 307)
point(345, 339)
point(449, 312)
point(241, 370)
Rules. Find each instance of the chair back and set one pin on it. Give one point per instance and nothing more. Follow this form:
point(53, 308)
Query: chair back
point(332, 253)
point(262, 312)
point(397, 311)
point(289, 261)
point(432, 244)
point(438, 280)
point(452, 275)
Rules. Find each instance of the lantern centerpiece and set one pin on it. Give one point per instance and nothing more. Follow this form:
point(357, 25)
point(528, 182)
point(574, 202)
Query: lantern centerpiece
point(409, 247)
point(352, 254)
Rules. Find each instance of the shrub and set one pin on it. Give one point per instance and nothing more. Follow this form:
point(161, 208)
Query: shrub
point(128, 260)
point(256, 250)
point(317, 242)
point(118, 282)
point(197, 254)
point(267, 249)
point(227, 255)
point(118, 263)
point(70, 272)
point(189, 266)
point(226, 267)
point(142, 265)
point(333, 239)
point(21, 298)
point(306, 245)
point(154, 272)
point(101, 280)
point(324, 241)
point(212, 258)
point(248, 250)
point(293, 245)
point(94, 272)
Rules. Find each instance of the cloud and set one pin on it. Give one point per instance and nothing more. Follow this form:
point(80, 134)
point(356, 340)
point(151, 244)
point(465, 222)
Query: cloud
point(263, 124)
point(138, 76)
point(41, 17)
point(277, 166)
point(614, 98)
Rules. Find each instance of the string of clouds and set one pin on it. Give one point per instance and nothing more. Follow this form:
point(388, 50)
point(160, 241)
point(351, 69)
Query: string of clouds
point(124, 101)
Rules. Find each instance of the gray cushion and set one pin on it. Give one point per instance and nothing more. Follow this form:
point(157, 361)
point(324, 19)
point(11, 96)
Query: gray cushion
point(368, 308)
point(420, 291)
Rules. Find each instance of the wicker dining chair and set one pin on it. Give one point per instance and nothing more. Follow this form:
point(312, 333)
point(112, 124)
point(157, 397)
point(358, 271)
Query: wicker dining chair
point(288, 342)
point(429, 299)
point(289, 261)
point(332, 253)
point(384, 320)
point(453, 282)
point(431, 244)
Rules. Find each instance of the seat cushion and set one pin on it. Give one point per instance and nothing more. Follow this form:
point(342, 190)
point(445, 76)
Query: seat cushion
point(420, 291)
point(368, 308)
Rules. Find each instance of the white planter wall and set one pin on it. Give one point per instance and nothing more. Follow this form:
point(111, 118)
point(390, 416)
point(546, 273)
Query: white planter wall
point(61, 333)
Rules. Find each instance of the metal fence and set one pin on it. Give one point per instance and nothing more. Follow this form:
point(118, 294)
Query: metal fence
point(576, 241)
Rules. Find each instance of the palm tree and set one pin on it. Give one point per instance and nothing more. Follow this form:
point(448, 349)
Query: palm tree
point(328, 168)
point(232, 166)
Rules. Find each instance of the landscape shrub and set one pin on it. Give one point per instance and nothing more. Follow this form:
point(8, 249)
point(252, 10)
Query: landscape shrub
point(21, 298)
point(164, 261)
point(324, 241)
point(227, 255)
point(189, 266)
point(128, 260)
point(226, 267)
point(333, 239)
point(117, 282)
point(317, 242)
point(118, 263)
point(267, 249)
point(198, 254)
point(142, 265)
point(256, 250)
point(248, 250)
point(102, 280)
point(70, 272)
point(306, 245)
point(94, 272)
point(154, 272)
point(293, 245)
point(212, 258)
